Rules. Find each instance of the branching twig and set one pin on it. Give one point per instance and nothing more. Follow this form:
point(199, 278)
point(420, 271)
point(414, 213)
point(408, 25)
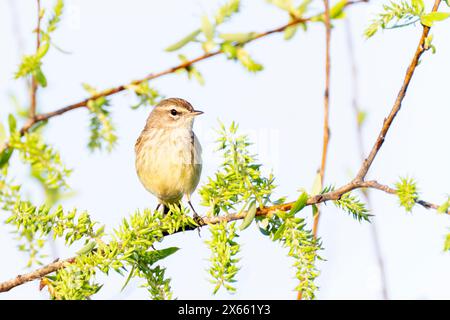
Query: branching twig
point(398, 102)
point(266, 211)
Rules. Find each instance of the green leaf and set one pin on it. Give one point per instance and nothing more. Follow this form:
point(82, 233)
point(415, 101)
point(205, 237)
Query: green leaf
point(407, 193)
point(429, 18)
point(238, 37)
point(361, 117)
point(279, 233)
point(180, 44)
point(40, 77)
point(443, 208)
point(290, 32)
point(12, 124)
point(87, 248)
point(447, 243)
point(337, 11)
point(249, 216)
point(227, 10)
point(43, 49)
point(161, 254)
point(5, 156)
point(207, 28)
point(247, 61)
point(299, 204)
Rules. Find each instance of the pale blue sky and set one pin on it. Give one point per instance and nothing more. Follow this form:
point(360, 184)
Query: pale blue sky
point(113, 42)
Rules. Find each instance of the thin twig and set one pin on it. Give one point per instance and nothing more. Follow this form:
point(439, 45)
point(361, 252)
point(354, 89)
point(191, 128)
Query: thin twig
point(34, 84)
point(266, 211)
point(326, 107)
point(360, 142)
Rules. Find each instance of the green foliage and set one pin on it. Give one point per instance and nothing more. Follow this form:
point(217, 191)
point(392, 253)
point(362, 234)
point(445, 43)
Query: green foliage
point(247, 61)
point(223, 255)
point(130, 246)
point(44, 160)
point(190, 70)
point(407, 193)
point(353, 205)
point(31, 64)
point(226, 11)
point(239, 180)
point(249, 216)
point(145, 94)
point(9, 192)
point(447, 243)
point(208, 28)
point(292, 233)
point(429, 18)
point(443, 208)
point(102, 129)
point(33, 225)
point(72, 283)
point(396, 14)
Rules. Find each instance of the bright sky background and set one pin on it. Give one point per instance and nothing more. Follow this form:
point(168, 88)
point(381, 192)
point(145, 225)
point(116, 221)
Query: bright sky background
point(112, 43)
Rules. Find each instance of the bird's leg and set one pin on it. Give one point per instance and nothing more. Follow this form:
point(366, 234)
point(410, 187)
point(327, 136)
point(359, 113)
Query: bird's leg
point(196, 217)
point(157, 207)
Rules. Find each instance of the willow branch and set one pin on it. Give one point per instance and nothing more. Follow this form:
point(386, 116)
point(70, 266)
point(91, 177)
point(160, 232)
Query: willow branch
point(34, 85)
point(398, 102)
point(205, 221)
point(114, 90)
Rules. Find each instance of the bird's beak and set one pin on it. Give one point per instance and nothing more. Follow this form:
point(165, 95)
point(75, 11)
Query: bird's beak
point(196, 113)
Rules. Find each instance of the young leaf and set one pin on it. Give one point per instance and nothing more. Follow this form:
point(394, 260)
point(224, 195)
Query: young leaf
point(237, 37)
point(180, 44)
point(299, 204)
point(12, 124)
point(429, 18)
point(207, 28)
point(249, 216)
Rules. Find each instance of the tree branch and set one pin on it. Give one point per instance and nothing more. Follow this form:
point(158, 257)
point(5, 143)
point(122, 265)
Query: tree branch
point(34, 85)
point(111, 91)
point(266, 211)
point(398, 102)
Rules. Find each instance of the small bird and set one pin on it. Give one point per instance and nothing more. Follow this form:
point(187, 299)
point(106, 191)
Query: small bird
point(168, 153)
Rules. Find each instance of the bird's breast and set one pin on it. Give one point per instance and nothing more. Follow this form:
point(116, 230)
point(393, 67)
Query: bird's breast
point(168, 162)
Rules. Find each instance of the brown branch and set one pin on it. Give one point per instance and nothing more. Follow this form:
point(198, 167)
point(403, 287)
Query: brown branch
point(398, 102)
point(37, 274)
point(111, 91)
point(34, 84)
point(360, 144)
point(326, 107)
point(266, 211)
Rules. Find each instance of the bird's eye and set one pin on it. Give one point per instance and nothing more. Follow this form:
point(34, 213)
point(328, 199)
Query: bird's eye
point(173, 112)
